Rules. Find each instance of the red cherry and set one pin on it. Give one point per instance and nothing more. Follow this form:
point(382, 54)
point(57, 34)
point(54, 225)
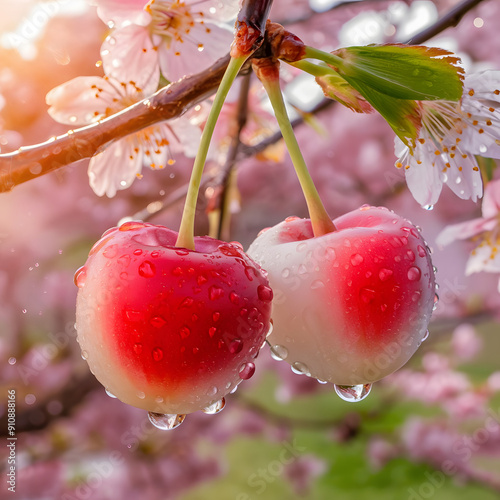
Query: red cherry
point(351, 306)
point(168, 329)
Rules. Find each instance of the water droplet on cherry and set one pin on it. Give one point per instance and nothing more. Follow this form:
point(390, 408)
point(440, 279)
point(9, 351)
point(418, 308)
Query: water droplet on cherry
point(367, 295)
point(157, 354)
point(353, 393)
point(414, 273)
point(384, 274)
point(184, 332)
point(215, 292)
point(436, 300)
point(165, 421)
point(235, 346)
point(279, 352)
point(421, 251)
point(357, 259)
point(246, 371)
point(317, 284)
point(157, 321)
point(110, 394)
point(265, 293)
point(187, 302)
point(111, 252)
point(300, 368)
point(285, 273)
point(147, 269)
point(214, 408)
point(80, 277)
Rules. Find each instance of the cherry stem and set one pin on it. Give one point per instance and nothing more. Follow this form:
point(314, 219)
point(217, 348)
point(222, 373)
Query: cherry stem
point(312, 53)
point(321, 221)
point(311, 68)
point(186, 230)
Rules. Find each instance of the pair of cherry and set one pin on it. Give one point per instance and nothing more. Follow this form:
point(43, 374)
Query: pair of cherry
point(173, 331)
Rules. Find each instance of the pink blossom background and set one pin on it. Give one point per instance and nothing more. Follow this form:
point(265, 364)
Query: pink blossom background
point(430, 430)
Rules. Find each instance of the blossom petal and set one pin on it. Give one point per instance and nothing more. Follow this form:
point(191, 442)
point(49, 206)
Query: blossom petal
point(461, 174)
point(483, 258)
point(83, 100)
point(195, 51)
point(129, 55)
point(422, 176)
point(221, 11)
point(122, 12)
point(115, 168)
point(464, 230)
point(187, 136)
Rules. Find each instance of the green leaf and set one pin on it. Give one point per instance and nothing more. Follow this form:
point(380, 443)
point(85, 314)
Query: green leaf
point(335, 87)
point(403, 115)
point(401, 71)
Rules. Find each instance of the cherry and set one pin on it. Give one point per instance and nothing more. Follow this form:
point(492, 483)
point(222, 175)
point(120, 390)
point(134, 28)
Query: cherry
point(350, 306)
point(167, 329)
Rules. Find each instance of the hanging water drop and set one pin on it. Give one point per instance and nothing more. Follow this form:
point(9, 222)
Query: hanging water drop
point(246, 371)
point(426, 336)
point(353, 393)
point(110, 394)
point(271, 327)
point(279, 352)
point(300, 369)
point(80, 277)
point(167, 421)
point(428, 207)
point(436, 300)
point(265, 293)
point(214, 408)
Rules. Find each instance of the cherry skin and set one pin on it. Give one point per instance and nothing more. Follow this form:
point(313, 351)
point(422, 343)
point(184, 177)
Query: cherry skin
point(168, 329)
point(351, 306)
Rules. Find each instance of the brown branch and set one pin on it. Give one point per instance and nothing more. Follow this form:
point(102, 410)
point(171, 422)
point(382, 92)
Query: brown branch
point(38, 417)
point(450, 19)
point(169, 102)
point(34, 161)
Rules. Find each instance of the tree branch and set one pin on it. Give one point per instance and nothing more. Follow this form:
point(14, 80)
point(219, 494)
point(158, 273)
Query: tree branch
point(169, 102)
point(451, 18)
